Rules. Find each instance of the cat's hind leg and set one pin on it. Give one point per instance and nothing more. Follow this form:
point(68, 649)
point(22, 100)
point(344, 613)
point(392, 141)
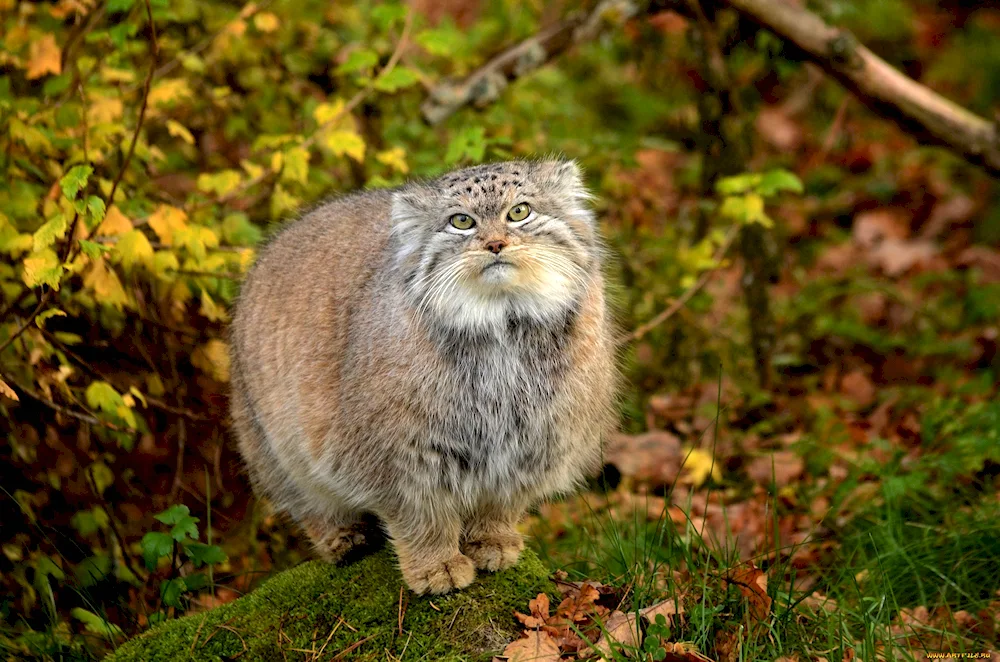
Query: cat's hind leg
point(335, 532)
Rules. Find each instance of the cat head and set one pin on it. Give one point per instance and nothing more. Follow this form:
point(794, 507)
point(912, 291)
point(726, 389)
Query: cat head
point(477, 246)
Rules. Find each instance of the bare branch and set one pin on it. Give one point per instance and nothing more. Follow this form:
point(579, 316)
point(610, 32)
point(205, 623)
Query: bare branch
point(483, 86)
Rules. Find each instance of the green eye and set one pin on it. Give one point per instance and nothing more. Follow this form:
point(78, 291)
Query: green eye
point(462, 222)
point(519, 212)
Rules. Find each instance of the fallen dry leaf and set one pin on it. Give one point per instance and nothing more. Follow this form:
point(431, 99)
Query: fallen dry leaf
point(783, 467)
point(895, 257)
point(858, 388)
point(539, 612)
point(873, 227)
point(668, 608)
point(654, 456)
point(752, 583)
point(621, 630)
point(535, 647)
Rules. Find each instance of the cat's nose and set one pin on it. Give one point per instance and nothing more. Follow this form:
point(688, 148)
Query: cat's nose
point(496, 246)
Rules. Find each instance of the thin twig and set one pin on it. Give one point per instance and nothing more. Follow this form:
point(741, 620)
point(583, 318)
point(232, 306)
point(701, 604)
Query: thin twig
point(142, 108)
point(681, 301)
point(87, 418)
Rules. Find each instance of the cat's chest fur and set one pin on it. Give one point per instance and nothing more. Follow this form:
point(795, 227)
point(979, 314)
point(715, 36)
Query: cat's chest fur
point(499, 420)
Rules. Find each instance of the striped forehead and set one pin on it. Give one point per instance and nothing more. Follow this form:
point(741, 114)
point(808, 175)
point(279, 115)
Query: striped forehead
point(487, 188)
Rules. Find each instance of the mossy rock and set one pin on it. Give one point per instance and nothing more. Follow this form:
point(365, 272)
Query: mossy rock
point(359, 603)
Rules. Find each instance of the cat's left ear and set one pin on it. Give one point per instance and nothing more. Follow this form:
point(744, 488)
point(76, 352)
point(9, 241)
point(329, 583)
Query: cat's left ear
point(566, 178)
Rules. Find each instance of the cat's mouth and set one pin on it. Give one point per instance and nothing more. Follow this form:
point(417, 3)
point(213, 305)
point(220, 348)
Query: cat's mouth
point(497, 263)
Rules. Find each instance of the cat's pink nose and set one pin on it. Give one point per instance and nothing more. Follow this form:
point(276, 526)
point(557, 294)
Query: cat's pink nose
point(496, 246)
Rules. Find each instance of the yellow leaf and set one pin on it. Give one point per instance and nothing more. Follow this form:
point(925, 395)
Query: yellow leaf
point(698, 466)
point(6, 390)
point(252, 168)
point(133, 249)
point(167, 220)
point(169, 91)
point(212, 358)
point(248, 10)
point(395, 158)
point(41, 268)
point(327, 112)
point(222, 183)
point(177, 129)
point(211, 310)
point(105, 111)
point(104, 283)
point(115, 222)
point(111, 75)
point(296, 165)
point(44, 57)
point(277, 160)
point(345, 142)
point(32, 138)
point(266, 22)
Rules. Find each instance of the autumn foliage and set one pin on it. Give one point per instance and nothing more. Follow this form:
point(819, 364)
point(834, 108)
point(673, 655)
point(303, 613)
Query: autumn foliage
point(809, 302)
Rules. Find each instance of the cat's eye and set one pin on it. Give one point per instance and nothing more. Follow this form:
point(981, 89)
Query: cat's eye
point(519, 212)
point(462, 222)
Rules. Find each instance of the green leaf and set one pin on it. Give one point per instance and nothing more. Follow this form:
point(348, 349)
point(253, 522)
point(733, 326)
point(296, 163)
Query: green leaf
point(102, 476)
point(171, 591)
point(92, 249)
point(95, 211)
point(201, 554)
point(94, 624)
point(88, 522)
point(75, 180)
point(468, 143)
point(397, 79)
point(115, 6)
point(92, 570)
point(237, 230)
point(775, 181)
point(54, 228)
point(186, 527)
point(103, 396)
point(173, 514)
point(361, 59)
point(388, 13)
point(443, 40)
point(196, 581)
point(737, 184)
point(155, 545)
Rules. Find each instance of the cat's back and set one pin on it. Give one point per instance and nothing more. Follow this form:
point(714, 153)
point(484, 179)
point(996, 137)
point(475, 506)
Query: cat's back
point(291, 319)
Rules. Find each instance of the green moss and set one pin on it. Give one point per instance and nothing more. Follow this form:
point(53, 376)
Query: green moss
point(359, 602)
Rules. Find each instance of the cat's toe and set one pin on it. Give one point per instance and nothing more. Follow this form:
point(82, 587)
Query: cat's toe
point(457, 572)
point(494, 552)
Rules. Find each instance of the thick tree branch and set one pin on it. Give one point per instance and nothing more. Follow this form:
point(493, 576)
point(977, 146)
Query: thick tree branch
point(926, 115)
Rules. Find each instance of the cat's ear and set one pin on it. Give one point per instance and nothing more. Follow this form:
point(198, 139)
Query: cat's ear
point(566, 178)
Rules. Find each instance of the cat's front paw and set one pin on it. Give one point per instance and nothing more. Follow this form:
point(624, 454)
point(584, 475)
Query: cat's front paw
point(439, 576)
point(494, 552)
